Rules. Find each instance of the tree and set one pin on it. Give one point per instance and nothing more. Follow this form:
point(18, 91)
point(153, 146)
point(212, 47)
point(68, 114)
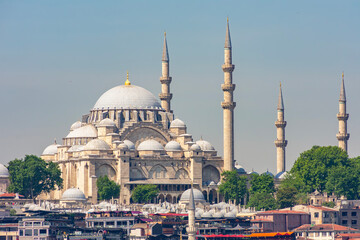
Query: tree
point(144, 193)
point(262, 183)
point(262, 200)
point(233, 186)
point(286, 196)
point(107, 188)
point(32, 176)
point(328, 204)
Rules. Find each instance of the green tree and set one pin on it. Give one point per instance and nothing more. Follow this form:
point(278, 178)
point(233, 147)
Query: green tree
point(144, 193)
point(233, 186)
point(328, 204)
point(314, 166)
point(107, 188)
point(262, 183)
point(262, 200)
point(286, 196)
point(32, 176)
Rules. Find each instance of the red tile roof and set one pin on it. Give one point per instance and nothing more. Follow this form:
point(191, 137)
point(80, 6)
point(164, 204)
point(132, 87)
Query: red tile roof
point(323, 208)
point(10, 195)
point(281, 212)
point(324, 227)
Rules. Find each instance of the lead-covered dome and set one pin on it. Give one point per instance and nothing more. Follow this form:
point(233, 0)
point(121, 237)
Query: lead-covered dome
point(87, 131)
point(73, 194)
point(97, 144)
point(127, 96)
point(150, 145)
point(173, 146)
point(177, 123)
point(198, 196)
point(3, 171)
point(106, 122)
point(205, 145)
point(51, 149)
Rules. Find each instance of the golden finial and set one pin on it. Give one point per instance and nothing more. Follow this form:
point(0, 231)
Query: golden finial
point(343, 75)
point(164, 33)
point(228, 19)
point(54, 140)
point(127, 82)
point(280, 84)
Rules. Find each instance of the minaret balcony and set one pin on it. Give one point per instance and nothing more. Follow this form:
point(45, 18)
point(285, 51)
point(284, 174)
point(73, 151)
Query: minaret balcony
point(228, 105)
point(343, 136)
point(165, 80)
point(280, 124)
point(228, 87)
point(165, 96)
point(281, 143)
point(228, 67)
point(342, 116)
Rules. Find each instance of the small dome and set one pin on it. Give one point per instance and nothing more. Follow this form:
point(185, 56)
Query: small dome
point(281, 175)
point(106, 122)
point(207, 215)
point(177, 123)
point(253, 172)
point(195, 147)
point(198, 196)
point(173, 146)
point(123, 146)
point(51, 149)
point(150, 145)
point(4, 172)
point(130, 144)
point(73, 194)
point(129, 97)
point(218, 215)
point(87, 131)
point(239, 169)
point(230, 215)
point(97, 144)
point(205, 145)
point(268, 173)
point(75, 125)
point(76, 148)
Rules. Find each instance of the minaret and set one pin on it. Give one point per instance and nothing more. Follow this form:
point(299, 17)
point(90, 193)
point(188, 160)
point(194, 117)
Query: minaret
point(228, 104)
point(165, 79)
point(280, 141)
point(342, 116)
point(191, 229)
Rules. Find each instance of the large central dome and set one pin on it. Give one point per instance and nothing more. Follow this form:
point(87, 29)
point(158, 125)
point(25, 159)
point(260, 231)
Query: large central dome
point(127, 96)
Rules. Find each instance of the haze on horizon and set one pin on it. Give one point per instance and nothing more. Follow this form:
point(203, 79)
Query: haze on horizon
point(57, 58)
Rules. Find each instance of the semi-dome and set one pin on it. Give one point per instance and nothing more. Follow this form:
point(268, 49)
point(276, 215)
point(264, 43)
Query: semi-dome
point(130, 144)
point(198, 196)
point(73, 194)
point(150, 145)
point(75, 125)
point(106, 122)
point(87, 131)
point(127, 96)
point(97, 144)
point(177, 123)
point(195, 147)
point(4, 172)
point(173, 146)
point(76, 148)
point(123, 146)
point(51, 149)
point(205, 145)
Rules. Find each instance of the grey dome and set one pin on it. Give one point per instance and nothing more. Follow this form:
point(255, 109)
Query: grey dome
point(177, 123)
point(127, 96)
point(218, 215)
point(198, 196)
point(106, 122)
point(75, 125)
point(130, 144)
point(87, 131)
point(195, 147)
point(281, 175)
point(76, 148)
point(205, 145)
point(73, 194)
point(240, 169)
point(150, 145)
point(123, 146)
point(51, 149)
point(4, 172)
point(230, 215)
point(97, 144)
point(268, 173)
point(253, 172)
point(173, 146)
point(207, 215)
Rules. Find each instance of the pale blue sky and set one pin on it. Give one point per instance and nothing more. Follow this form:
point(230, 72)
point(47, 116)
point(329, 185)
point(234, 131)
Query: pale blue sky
point(58, 57)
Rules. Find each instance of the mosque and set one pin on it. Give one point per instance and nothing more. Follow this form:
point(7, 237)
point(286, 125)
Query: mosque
point(134, 139)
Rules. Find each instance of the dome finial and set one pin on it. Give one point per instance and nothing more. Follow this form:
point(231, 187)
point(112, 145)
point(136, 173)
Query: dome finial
point(54, 140)
point(127, 82)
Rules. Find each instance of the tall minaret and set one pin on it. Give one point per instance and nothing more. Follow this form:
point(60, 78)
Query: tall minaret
point(191, 229)
point(165, 79)
point(228, 104)
point(342, 116)
point(280, 141)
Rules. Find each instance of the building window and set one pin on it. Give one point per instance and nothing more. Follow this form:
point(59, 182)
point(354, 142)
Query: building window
point(316, 215)
point(353, 214)
point(344, 222)
point(43, 232)
point(21, 232)
point(344, 214)
point(28, 232)
point(353, 222)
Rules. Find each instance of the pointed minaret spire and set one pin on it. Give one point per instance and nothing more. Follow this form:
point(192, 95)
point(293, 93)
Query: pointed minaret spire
point(280, 102)
point(228, 104)
point(227, 37)
point(191, 229)
point(165, 79)
point(280, 141)
point(343, 136)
